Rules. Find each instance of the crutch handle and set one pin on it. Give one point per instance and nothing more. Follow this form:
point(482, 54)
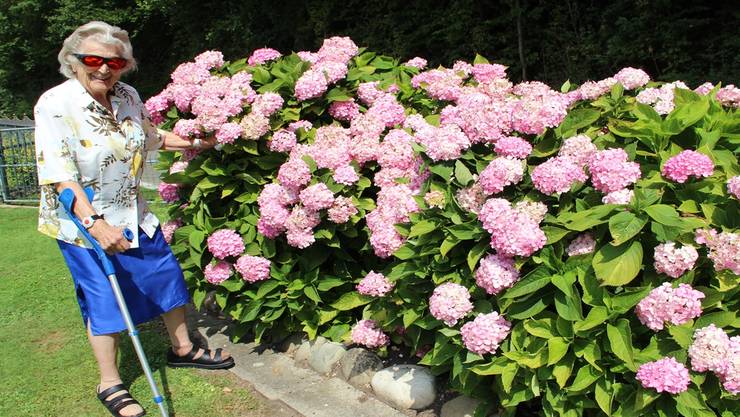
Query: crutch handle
point(67, 199)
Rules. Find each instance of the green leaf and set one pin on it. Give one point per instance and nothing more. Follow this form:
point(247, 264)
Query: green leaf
point(629, 298)
point(691, 403)
point(422, 227)
point(462, 173)
point(618, 265)
point(476, 253)
point(479, 60)
point(531, 282)
point(557, 348)
point(350, 300)
point(596, 317)
point(508, 375)
point(683, 335)
point(586, 219)
point(405, 252)
point(544, 328)
point(664, 214)
point(719, 318)
point(562, 370)
point(620, 341)
point(266, 288)
point(577, 119)
point(624, 226)
point(311, 293)
point(584, 378)
point(604, 396)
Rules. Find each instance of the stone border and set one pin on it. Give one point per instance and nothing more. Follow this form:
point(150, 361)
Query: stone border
point(325, 378)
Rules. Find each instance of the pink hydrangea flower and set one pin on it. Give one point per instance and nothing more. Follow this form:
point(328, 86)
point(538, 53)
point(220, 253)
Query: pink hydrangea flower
point(374, 284)
point(310, 85)
point(169, 228)
point(496, 273)
point(168, 192)
point(317, 197)
point(253, 268)
point(294, 173)
point(582, 245)
point(368, 334)
point(513, 146)
point(623, 197)
point(674, 261)
point(665, 374)
point(186, 127)
point(591, 90)
point(534, 210)
point(513, 233)
point(435, 198)
point(471, 198)
point(485, 73)
point(610, 170)
point(666, 304)
point(578, 149)
point(344, 110)
point(733, 186)
point(416, 62)
point(254, 126)
point(218, 272)
point(729, 96)
point(724, 249)
point(178, 166)
point(687, 164)
point(485, 333)
point(283, 140)
point(500, 173)
point(450, 302)
point(262, 55)
point(631, 78)
point(730, 373)
point(301, 124)
point(228, 132)
point(710, 349)
point(704, 89)
point(225, 242)
point(210, 59)
point(345, 175)
point(341, 210)
point(557, 175)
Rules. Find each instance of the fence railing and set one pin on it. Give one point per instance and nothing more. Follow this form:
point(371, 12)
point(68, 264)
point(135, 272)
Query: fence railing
point(18, 177)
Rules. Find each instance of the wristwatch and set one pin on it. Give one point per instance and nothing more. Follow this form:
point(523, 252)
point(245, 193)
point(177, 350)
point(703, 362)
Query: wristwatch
point(197, 143)
point(90, 220)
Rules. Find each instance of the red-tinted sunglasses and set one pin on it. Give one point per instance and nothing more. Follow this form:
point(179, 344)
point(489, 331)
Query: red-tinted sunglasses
point(98, 61)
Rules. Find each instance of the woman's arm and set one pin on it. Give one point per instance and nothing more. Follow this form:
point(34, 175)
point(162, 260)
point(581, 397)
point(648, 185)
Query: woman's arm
point(110, 237)
point(172, 142)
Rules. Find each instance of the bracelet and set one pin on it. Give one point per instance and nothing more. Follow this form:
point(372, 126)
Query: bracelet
point(197, 143)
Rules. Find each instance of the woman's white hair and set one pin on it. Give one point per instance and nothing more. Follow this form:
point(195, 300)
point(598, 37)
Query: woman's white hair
point(99, 32)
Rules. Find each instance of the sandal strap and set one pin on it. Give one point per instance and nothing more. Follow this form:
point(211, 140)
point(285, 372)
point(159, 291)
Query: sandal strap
point(102, 395)
point(217, 357)
point(123, 404)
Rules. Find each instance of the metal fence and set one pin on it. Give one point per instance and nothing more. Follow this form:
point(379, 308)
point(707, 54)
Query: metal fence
point(18, 177)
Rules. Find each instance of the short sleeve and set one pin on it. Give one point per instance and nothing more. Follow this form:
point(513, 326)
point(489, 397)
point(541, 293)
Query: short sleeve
point(153, 138)
point(54, 159)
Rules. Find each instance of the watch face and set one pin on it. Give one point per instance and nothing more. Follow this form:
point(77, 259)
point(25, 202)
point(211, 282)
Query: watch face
point(87, 222)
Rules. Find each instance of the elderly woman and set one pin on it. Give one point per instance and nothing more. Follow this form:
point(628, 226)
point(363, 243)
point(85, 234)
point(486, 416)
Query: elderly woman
point(92, 130)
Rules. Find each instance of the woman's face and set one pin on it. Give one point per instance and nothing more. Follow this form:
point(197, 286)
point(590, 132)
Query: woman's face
point(97, 80)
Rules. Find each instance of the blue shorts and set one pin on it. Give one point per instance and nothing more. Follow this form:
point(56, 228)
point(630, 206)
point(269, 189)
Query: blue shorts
point(150, 278)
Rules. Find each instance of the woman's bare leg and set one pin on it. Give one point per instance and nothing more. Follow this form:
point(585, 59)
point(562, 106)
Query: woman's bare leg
point(177, 328)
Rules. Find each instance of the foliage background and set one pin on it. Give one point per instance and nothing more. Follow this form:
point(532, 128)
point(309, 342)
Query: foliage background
point(569, 39)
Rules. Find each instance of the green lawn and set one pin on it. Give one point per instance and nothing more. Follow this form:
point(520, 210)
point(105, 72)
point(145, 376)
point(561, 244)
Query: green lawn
point(47, 365)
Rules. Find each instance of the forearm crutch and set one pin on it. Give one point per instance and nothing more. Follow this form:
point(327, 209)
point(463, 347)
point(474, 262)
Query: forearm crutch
point(67, 199)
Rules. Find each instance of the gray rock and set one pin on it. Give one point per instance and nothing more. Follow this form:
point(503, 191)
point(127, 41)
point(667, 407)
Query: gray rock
point(359, 366)
point(302, 353)
point(323, 359)
point(462, 406)
point(405, 386)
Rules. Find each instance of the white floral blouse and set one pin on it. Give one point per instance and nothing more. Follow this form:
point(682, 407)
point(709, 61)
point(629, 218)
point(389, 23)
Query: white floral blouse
point(77, 139)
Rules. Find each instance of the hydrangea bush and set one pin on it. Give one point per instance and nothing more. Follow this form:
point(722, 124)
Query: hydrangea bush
point(569, 253)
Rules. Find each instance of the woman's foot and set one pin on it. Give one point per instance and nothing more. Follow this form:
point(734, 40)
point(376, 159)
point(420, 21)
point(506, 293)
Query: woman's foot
point(196, 357)
point(118, 400)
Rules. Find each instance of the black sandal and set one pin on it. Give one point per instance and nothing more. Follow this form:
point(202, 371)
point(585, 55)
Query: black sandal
point(205, 361)
point(115, 405)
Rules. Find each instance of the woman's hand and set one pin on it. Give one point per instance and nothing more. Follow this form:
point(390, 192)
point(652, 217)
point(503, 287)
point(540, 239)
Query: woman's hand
point(109, 237)
point(208, 143)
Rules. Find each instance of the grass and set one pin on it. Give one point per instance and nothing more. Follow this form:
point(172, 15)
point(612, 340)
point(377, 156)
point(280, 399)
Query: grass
point(48, 368)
